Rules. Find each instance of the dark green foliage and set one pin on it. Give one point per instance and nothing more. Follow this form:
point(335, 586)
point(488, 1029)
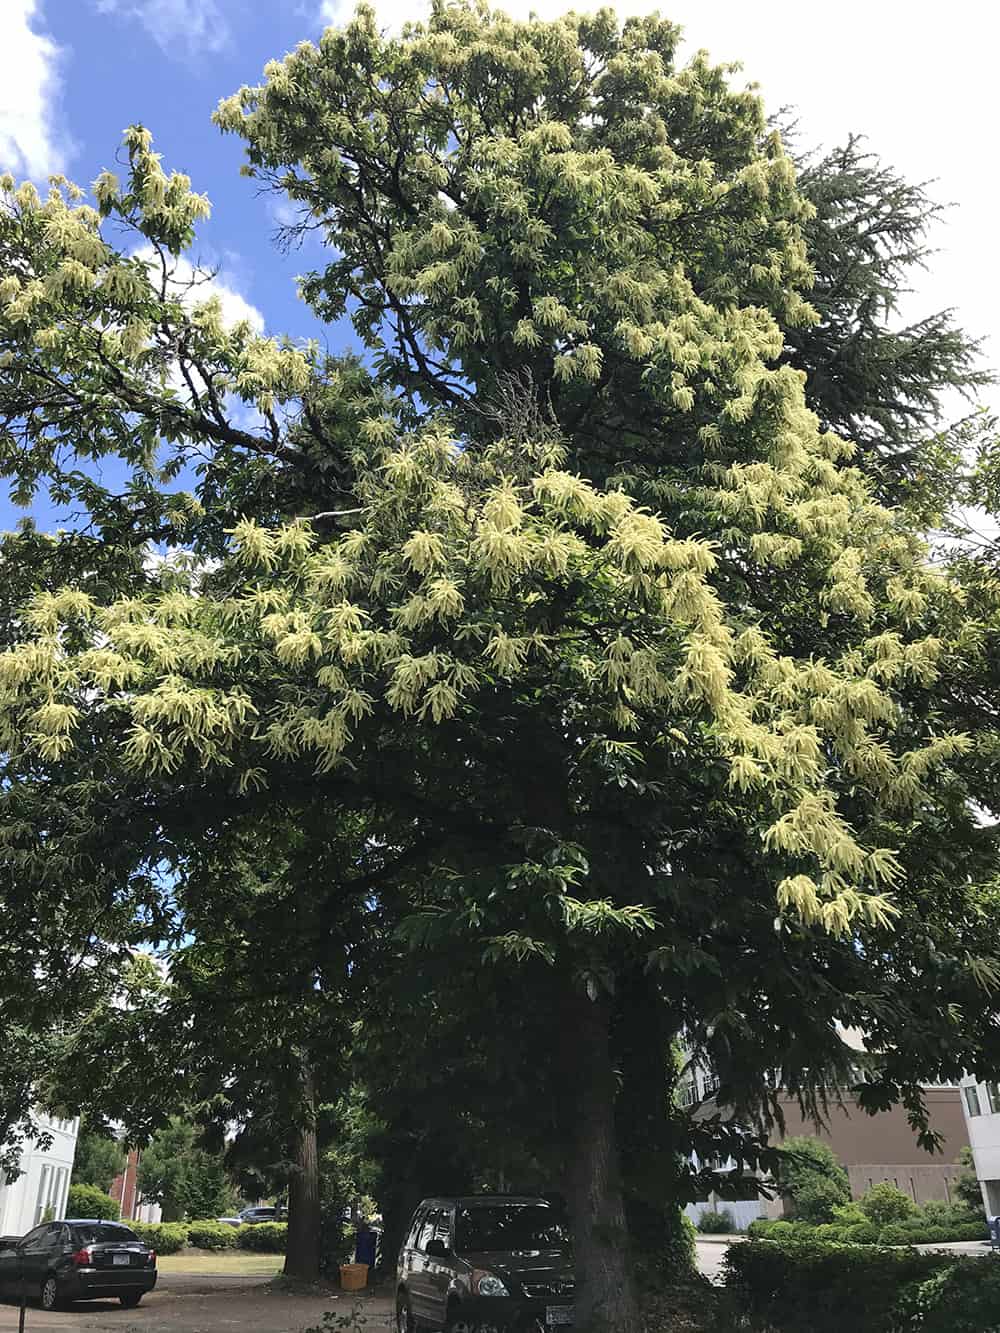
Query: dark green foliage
point(809, 1174)
point(265, 1237)
point(176, 1172)
point(961, 1298)
point(966, 1183)
point(811, 1287)
point(91, 1201)
point(871, 378)
point(98, 1159)
point(716, 1223)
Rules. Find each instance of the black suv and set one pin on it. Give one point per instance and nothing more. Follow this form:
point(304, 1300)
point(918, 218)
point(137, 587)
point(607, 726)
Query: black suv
point(497, 1260)
point(80, 1259)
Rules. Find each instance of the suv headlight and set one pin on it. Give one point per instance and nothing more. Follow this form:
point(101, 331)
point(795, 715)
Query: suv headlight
point(488, 1284)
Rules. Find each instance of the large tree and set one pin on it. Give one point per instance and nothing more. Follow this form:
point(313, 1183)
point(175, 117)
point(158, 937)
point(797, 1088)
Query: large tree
point(699, 746)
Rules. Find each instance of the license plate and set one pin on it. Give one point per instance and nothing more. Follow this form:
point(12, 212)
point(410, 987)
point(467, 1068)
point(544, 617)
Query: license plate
point(119, 1258)
point(559, 1314)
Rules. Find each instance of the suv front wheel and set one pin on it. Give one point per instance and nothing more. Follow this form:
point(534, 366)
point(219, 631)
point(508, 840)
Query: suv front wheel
point(405, 1322)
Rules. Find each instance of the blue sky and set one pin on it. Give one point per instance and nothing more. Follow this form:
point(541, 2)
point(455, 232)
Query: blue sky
point(918, 81)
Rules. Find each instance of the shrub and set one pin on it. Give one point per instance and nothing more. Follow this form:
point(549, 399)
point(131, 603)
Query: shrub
point(266, 1237)
point(164, 1237)
point(211, 1235)
point(831, 1231)
point(817, 1197)
point(884, 1203)
point(90, 1201)
point(808, 1285)
point(849, 1215)
point(789, 1231)
point(713, 1223)
point(896, 1234)
point(966, 1184)
point(964, 1297)
point(760, 1227)
point(863, 1233)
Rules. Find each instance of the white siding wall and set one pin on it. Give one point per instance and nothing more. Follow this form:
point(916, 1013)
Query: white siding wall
point(743, 1212)
point(43, 1183)
point(981, 1104)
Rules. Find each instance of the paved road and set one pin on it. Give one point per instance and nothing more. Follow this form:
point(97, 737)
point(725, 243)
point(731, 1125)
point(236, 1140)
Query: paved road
point(189, 1303)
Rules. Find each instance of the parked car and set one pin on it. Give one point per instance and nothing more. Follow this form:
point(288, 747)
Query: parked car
point(78, 1259)
point(251, 1216)
point(485, 1259)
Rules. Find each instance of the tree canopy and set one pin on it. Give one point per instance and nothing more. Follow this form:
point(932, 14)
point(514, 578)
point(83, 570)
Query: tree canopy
point(566, 632)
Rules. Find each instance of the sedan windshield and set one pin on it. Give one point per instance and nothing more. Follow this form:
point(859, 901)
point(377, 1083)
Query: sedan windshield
point(100, 1233)
point(510, 1226)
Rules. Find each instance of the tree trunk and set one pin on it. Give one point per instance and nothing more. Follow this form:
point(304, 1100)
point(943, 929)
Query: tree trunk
point(302, 1251)
point(605, 1283)
point(648, 1129)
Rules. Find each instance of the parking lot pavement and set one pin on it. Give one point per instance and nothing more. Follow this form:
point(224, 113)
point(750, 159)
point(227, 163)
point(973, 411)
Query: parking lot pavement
point(186, 1303)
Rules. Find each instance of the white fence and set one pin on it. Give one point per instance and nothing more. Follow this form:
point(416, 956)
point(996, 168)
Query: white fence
point(743, 1212)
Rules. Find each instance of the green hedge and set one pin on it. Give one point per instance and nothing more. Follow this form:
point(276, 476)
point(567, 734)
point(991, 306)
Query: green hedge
point(211, 1235)
point(809, 1285)
point(164, 1237)
point(266, 1237)
point(931, 1225)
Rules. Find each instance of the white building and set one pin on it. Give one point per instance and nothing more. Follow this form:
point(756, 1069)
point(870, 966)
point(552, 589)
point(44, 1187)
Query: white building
point(981, 1104)
point(43, 1184)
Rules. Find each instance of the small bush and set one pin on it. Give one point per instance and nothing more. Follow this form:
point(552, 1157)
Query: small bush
point(884, 1203)
point(163, 1237)
point(90, 1201)
point(266, 1237)
point(817, 1197)
point(849, 1215)
point(760, 1227)
point(211, 1235)
point(896, 1234)
point(862, 1233)
point(832, 1231)
point(712, 1223)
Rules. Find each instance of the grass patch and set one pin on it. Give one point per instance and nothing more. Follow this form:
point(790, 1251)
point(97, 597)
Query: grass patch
point(235, 1263)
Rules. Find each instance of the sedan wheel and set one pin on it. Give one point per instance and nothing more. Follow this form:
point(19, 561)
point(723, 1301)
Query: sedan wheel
point(50, 1294)
point(130, 1299)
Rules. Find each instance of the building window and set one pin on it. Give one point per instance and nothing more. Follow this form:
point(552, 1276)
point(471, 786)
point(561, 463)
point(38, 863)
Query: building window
point(993, 1095)
point(972, 1101)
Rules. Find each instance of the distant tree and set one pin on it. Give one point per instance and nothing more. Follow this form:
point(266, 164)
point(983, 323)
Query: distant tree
point(809, 1174)
point(98, 1158)
point(179, 1175)
point(966, 1184)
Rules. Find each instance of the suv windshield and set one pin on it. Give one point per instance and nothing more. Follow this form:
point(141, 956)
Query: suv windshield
point(510, 1226)
point(96, 1233)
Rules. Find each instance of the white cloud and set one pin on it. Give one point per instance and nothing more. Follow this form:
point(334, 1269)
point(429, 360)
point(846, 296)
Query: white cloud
point(195, 285)
point(186, 27)
point(30, 144)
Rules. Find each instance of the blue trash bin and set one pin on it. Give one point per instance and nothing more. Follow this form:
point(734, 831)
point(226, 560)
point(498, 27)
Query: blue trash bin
point(365, 1243)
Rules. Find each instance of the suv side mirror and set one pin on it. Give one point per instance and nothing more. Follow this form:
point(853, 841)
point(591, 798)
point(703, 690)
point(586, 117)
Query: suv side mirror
point(437, 1249)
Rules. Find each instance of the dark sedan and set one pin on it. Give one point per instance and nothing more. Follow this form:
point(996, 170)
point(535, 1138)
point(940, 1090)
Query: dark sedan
point(80, 1259)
